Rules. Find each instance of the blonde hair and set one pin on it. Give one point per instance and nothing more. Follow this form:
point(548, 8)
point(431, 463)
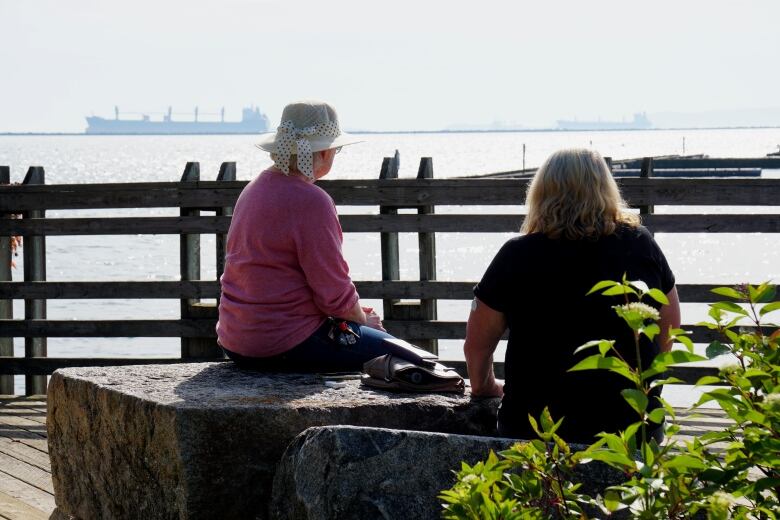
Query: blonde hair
point(574, 196)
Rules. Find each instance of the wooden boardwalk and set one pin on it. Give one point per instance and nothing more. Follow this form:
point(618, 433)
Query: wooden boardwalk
point(26, 490)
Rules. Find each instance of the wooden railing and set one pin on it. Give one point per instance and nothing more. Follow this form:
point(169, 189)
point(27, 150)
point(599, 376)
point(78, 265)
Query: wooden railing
point(382, 198)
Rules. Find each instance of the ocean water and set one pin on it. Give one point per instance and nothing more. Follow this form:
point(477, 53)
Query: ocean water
point(695, 258)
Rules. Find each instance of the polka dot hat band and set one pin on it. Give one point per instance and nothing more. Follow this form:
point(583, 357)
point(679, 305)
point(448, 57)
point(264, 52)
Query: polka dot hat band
point(289, 138)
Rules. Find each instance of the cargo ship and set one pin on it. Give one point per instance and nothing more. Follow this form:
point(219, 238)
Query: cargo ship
point(639, 122)
point(252, 122)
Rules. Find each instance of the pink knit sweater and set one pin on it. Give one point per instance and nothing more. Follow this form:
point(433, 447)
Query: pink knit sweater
point(284, 269)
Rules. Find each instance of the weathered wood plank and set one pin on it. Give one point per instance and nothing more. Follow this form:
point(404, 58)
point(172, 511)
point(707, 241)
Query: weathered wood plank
point(109, 328)
point(116, 226)
point(710, 162)
point(27, 473)
point(38, 416)
point(439, 290)
point(20, 501)
point(34, 253)
point(24, 453)
point(204, 328)
point(49, 365)
point(457, 330)
point(383, 223)
point(399, 192)
point(388, 240)
point(6, 305)
point(128, 290)
point(687, 373)
point(20, 435)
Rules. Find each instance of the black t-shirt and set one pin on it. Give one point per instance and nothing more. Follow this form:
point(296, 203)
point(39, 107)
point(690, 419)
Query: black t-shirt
point(539, 284)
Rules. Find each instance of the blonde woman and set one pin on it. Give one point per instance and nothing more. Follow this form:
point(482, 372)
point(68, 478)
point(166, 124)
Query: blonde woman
point(577, 232)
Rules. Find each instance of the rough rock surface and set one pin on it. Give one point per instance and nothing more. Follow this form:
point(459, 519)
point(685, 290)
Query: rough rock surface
point(358, 473)
point(202, 440)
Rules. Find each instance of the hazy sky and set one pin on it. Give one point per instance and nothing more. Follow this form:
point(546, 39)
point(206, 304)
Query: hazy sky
point(386, 65)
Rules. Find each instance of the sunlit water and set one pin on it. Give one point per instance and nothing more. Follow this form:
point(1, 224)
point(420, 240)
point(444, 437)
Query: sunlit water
point(695, 258)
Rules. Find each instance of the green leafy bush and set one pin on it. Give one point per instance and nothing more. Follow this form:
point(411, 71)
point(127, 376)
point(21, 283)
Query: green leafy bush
point(677, 479)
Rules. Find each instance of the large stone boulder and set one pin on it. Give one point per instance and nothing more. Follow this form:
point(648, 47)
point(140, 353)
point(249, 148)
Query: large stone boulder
point(202, 440)
point(358, 473)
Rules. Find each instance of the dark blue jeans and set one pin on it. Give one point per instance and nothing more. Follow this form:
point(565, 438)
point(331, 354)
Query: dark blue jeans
point(319, 353)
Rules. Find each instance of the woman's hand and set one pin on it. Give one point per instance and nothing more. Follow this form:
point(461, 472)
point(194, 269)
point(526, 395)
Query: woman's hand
point(483, 331)
point(495, 389)
point(373, 319)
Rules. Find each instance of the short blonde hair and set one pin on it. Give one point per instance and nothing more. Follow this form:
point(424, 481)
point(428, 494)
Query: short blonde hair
point(573, 195)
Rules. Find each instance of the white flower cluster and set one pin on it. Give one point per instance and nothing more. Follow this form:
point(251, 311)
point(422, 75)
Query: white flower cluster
point(644, 310)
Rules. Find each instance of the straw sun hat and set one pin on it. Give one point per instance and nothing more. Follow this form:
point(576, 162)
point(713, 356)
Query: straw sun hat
point(306, 127)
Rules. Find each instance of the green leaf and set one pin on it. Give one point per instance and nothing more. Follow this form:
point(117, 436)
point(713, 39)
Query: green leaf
point(602, 284)
point(658, 296)
point(730, 307)
point(663, 360)
point(716, 348)
point(666, 381)
point(651, 331)
point(769, 307)
point(765, 293)
point(612, 501)
point(729, 292)
point(612, 364)
point(657, 416)
point(534, 425)
point(762, 294)
point(708, 380)
point(619, 290)
point(755, 372)
point(647, 453)
point(613, 459)
point(636, 398)
point(591, 344)
point(685, 462)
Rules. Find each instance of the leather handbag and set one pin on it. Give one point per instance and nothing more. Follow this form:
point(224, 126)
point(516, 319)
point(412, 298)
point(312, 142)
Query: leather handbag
point(393, 373)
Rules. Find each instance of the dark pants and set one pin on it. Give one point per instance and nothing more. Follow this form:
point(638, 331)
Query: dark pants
point(319, 353)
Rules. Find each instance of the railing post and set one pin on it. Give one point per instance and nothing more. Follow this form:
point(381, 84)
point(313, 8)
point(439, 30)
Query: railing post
point(6, 306)
point(427, 252)
point(645, 173)
point(34, 254)
point(189, 259)
point(227, 172)
point(389, 241)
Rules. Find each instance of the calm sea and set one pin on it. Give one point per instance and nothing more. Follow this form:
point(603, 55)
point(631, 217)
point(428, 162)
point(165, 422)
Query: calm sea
point(695, 258)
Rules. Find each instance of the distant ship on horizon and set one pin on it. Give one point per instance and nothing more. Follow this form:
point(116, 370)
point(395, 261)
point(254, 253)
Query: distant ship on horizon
point(639, 122)
point(252, 122)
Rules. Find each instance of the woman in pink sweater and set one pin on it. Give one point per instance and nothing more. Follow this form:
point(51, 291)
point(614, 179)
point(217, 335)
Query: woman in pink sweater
point(288, 302)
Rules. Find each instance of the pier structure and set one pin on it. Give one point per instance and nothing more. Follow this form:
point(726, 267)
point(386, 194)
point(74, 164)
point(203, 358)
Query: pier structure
point(393, 205)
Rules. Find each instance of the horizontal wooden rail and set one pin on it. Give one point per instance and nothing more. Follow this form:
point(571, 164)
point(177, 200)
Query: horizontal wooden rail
point(204, 328)
point(664, 223)
point(767, 163)
point(115, 226)
point(109, 290)
point(439, 290)
point(190, 328)
point(46, 366)
point(690, 374)
point(392, 192)
point(457, 330)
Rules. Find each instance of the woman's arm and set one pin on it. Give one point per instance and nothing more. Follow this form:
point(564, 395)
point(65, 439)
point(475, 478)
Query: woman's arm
point(670, 319)
point(363, 315)
point(485, 327)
